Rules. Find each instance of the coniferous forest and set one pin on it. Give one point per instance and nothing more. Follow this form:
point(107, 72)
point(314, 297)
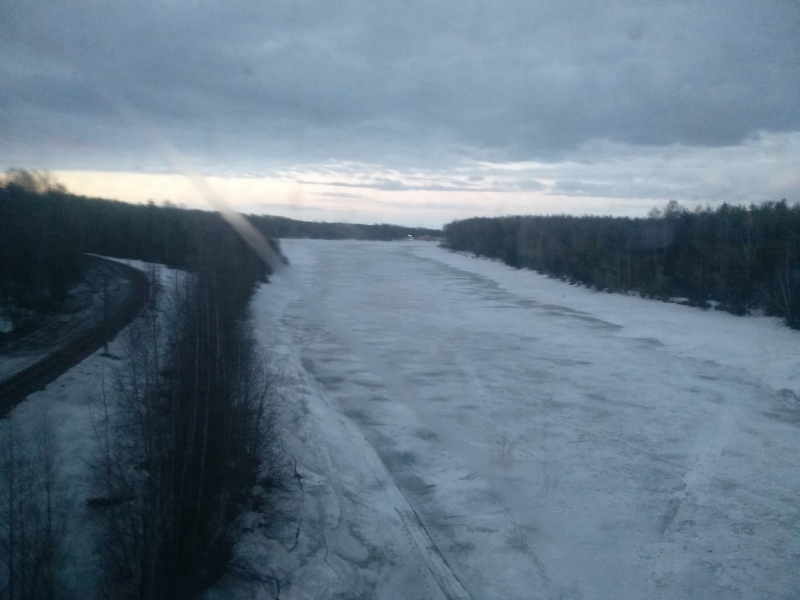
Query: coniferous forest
point(738, 258)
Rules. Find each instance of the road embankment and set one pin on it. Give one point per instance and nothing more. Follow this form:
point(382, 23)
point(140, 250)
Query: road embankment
point(33, 377)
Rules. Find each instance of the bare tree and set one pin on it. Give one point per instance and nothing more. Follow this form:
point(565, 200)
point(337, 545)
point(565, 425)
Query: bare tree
point(31, 541)
point(190, 428)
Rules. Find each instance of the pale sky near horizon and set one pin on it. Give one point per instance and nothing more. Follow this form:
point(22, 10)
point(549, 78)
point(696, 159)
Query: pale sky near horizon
point(406, 111)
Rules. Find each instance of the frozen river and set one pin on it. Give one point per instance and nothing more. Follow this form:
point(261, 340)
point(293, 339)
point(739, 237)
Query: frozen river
point(465, 430)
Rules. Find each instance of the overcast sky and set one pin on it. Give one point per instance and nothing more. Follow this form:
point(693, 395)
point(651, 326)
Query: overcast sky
point(413, 111)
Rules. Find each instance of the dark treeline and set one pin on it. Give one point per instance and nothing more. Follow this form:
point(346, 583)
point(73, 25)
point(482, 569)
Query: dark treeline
point(282, 227)
point(742, 258)
point(43, 233)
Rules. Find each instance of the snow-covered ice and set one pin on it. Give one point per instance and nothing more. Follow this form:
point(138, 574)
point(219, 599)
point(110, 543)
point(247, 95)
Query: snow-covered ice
point(466, 430)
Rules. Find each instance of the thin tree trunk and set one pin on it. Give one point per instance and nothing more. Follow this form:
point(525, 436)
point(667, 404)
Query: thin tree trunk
point(215, 371)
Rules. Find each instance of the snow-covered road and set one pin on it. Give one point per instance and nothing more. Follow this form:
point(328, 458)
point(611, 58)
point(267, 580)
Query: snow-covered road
point(466, 430)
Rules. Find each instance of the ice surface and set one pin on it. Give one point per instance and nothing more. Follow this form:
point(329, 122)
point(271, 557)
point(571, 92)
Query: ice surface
point(464, 429)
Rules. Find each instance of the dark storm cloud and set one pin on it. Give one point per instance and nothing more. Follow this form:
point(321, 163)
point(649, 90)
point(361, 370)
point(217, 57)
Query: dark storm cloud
point(244, 82)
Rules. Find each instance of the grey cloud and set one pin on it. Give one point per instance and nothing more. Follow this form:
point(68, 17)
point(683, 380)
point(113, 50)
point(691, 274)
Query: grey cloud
point(530, 185)
point(397, 83)
point(583, 188)
point(433, 206)
point(391, 185)
point(335, 195)
point(394, 185)
point(265, 207)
